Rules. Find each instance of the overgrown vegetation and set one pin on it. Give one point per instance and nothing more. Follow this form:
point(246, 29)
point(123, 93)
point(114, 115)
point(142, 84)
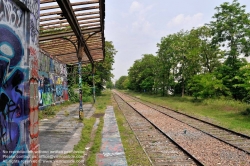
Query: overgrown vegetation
point(101, 104)
point(204, 62)
point(229, 113)
point(51, 111)
point(94, 79)
point(85, 139)
point(96, 145)
point(133, 150)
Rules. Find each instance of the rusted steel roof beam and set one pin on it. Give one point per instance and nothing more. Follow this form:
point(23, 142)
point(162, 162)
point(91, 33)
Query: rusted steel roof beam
point(57, 49)
point(102, 16)
point(62, 18)
point(46, 1)
point(65, 21)
point(65, 34)
point(73, 4)
point(63, 54)
point(69, 14)
point(76, 9)
point(63, 26)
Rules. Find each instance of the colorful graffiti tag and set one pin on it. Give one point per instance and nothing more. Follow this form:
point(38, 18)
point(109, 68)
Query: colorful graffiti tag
point(29, 78)
point(52, 81)
point(18, 69)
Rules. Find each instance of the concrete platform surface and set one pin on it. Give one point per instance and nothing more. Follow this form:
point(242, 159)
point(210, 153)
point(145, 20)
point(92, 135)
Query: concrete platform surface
point(58, 135)
point(112, 152)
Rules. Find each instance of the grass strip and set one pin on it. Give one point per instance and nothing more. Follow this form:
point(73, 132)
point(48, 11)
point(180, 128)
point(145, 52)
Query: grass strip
point(101, 104)
point(85, 139)
point(133, 150)
point(96, 145)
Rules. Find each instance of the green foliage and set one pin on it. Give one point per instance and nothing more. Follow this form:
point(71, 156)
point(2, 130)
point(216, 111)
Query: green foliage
point(86, 90)
point(207, 86)
point(96, 145)
point(243, 80)
point(74, 97)
point(246, 112)
point(203, 62)
point(50, 111)
point(232, 78)
point(141, 74)
point(231, 29)
point(109, 85)
point(102, 70)
point(119, 84)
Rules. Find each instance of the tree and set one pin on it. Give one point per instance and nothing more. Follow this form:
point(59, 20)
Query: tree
point(243, 78)
point(109, 85)
point(210, 54)
point(141, 74)
point(231, 30)
point(207, 86)
point(119, 84)
point(103, 70)
point(167, 63)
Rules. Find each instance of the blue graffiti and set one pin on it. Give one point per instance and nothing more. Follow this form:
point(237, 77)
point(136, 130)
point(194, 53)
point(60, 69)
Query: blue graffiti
point(12, 101)
point(59, 90)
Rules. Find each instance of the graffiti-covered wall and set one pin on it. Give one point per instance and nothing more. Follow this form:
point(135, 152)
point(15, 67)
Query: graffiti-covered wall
point(19, 50)
point(52, 83)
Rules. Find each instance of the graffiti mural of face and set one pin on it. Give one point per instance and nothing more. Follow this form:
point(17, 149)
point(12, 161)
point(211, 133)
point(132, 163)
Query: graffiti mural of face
point(11, 76)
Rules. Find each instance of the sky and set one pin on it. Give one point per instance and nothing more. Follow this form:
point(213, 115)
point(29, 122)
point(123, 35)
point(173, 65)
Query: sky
point(136, 26)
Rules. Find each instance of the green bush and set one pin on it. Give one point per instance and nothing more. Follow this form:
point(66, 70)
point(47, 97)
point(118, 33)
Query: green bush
point(86, 90)
point(207, 86)
point(246, 112)
point(74, 97)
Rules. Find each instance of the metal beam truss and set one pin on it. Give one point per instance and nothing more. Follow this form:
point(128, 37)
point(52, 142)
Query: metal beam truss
point(81, 22)
point(73, 33)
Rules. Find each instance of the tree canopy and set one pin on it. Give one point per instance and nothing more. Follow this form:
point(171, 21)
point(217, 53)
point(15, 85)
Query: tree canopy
point(202, 62)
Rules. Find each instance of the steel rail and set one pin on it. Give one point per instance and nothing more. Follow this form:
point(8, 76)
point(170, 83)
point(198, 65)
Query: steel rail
point(185, 151)
point(222, 128)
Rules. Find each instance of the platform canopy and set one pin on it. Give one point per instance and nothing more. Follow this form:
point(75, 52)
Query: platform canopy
point(68, 26)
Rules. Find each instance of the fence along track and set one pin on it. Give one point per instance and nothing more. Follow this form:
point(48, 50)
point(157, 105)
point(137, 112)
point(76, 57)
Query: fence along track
point(160, 149)
point(235, 139)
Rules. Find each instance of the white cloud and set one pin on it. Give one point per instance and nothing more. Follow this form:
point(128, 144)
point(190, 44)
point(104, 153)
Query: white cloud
point(135, 7)
point(138, 12)
point(185, 21)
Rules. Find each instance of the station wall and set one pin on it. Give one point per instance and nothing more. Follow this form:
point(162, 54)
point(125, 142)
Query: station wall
point(28, 79)
point(19, 50)
point(52, 83)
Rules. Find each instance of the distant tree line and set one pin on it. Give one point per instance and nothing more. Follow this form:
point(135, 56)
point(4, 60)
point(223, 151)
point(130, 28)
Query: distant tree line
point(205, 62)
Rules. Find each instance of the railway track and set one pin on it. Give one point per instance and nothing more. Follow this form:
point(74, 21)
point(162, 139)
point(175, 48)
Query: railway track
point(160, 149)
point(208, 144)
point(235, 139)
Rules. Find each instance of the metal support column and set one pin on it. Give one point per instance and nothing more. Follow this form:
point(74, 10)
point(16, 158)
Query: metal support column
point(93, 78)
point(81, 115)
point(79, 51)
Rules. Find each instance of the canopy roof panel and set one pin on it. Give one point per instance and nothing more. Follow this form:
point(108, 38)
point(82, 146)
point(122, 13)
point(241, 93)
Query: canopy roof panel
point(67, 24)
